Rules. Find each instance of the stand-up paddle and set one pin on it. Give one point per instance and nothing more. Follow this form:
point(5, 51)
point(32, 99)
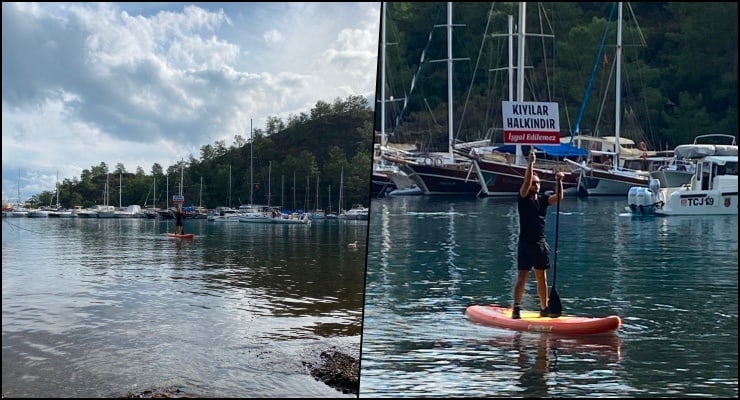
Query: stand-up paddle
point(556, 307)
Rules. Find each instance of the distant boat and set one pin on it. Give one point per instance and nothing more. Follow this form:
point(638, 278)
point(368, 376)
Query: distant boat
point(223, 214)
point(413, 190)
point(256, 214)
point(358, 212)
point(18, 210)
point(38, 213)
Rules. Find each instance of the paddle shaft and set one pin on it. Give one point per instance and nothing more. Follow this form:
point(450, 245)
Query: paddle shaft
point(554, 303)
point(555, 261)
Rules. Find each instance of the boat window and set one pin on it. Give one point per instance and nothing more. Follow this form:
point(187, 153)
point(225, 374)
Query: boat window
point(731, 168)
point(705, 178)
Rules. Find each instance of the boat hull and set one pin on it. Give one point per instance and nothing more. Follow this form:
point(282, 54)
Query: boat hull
point(698, 202)
point(505, 179)
point(456, 180)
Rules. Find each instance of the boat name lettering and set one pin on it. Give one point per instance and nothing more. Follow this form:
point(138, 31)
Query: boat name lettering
point(697, 201)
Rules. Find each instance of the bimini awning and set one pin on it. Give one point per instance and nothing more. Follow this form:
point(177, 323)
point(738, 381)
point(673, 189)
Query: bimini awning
point(552, 150)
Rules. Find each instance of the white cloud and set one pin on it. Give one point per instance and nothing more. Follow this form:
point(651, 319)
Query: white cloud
point(145, 83)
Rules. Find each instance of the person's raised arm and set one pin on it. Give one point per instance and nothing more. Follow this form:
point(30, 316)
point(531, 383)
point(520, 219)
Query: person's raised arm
point(527, 183)
point(558, 189)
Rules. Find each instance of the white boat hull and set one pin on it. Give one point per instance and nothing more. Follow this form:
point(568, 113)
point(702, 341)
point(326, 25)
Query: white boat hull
point(697, 202)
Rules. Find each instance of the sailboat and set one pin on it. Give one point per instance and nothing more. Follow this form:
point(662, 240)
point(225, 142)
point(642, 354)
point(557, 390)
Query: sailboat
point(151, 212)
point(611, 179)
point(58, 211)
point(382, 176)
point(107, 211)
point(317, 212)
point(224, 213)
point(18, 210)
point(438, 173)
point(502, 171)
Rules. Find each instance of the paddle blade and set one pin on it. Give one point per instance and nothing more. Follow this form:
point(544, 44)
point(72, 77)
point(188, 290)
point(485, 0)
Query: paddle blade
point(556, 307)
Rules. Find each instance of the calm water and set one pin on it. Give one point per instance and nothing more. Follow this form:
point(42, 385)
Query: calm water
point(674, 282)
point(97, 308)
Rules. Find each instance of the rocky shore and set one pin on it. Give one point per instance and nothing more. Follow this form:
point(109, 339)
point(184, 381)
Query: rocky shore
point(336, 369)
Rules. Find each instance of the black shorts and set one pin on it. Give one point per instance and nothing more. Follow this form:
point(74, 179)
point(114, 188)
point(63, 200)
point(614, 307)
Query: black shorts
point(533, 255)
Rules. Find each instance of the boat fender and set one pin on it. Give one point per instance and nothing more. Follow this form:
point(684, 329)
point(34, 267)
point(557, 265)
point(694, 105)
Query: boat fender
point(428, 161)
point(438, 162)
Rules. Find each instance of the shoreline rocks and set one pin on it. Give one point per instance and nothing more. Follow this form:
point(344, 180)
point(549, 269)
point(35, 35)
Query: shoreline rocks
point(338, 370)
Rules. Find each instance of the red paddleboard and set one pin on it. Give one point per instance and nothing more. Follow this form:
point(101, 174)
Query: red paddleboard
point(182, 236)
point(500, 317)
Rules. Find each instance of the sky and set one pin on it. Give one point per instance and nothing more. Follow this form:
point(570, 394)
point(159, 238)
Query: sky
point(145, 83)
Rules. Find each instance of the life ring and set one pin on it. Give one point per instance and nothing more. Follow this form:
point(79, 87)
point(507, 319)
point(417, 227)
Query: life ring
point(438, 162)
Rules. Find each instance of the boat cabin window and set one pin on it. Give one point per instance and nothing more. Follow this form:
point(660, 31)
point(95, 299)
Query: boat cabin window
point(706, 170)
point(730, 168)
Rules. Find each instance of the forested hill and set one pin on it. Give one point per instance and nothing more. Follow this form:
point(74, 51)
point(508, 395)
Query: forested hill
point(330, 143)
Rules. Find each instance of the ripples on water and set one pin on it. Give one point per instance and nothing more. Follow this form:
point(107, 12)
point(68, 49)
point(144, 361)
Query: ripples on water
point(95, 308)
point(672, 280)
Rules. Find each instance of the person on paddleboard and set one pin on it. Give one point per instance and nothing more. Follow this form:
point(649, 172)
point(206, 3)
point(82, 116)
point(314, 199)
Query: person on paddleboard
point(178, 221)
point(533, 250)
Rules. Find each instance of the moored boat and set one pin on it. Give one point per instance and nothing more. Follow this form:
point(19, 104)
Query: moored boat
point(712, 191)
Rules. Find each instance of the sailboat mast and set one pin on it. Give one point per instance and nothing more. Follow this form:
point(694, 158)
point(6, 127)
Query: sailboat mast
point(229, 202)
point(317, 192)
point(520, 67)
point(450, 128)
point(120, 187)
point(383, 138)
point(618, 88)
point(251, 158)
point(57, 190)
point(107, 188)
point(19, 188)
point(341, 190)
point(269, 183)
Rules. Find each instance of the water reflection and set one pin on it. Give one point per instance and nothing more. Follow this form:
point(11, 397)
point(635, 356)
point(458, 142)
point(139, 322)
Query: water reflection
point(672, 281)
point(97, 307)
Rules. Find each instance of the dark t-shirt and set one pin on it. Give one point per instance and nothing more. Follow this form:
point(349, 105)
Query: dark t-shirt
point(178, 214)
point(532, 218)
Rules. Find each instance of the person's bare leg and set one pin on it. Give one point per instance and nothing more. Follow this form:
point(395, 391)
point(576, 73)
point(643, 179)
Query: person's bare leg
point(541, 276)
point(521, 282)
